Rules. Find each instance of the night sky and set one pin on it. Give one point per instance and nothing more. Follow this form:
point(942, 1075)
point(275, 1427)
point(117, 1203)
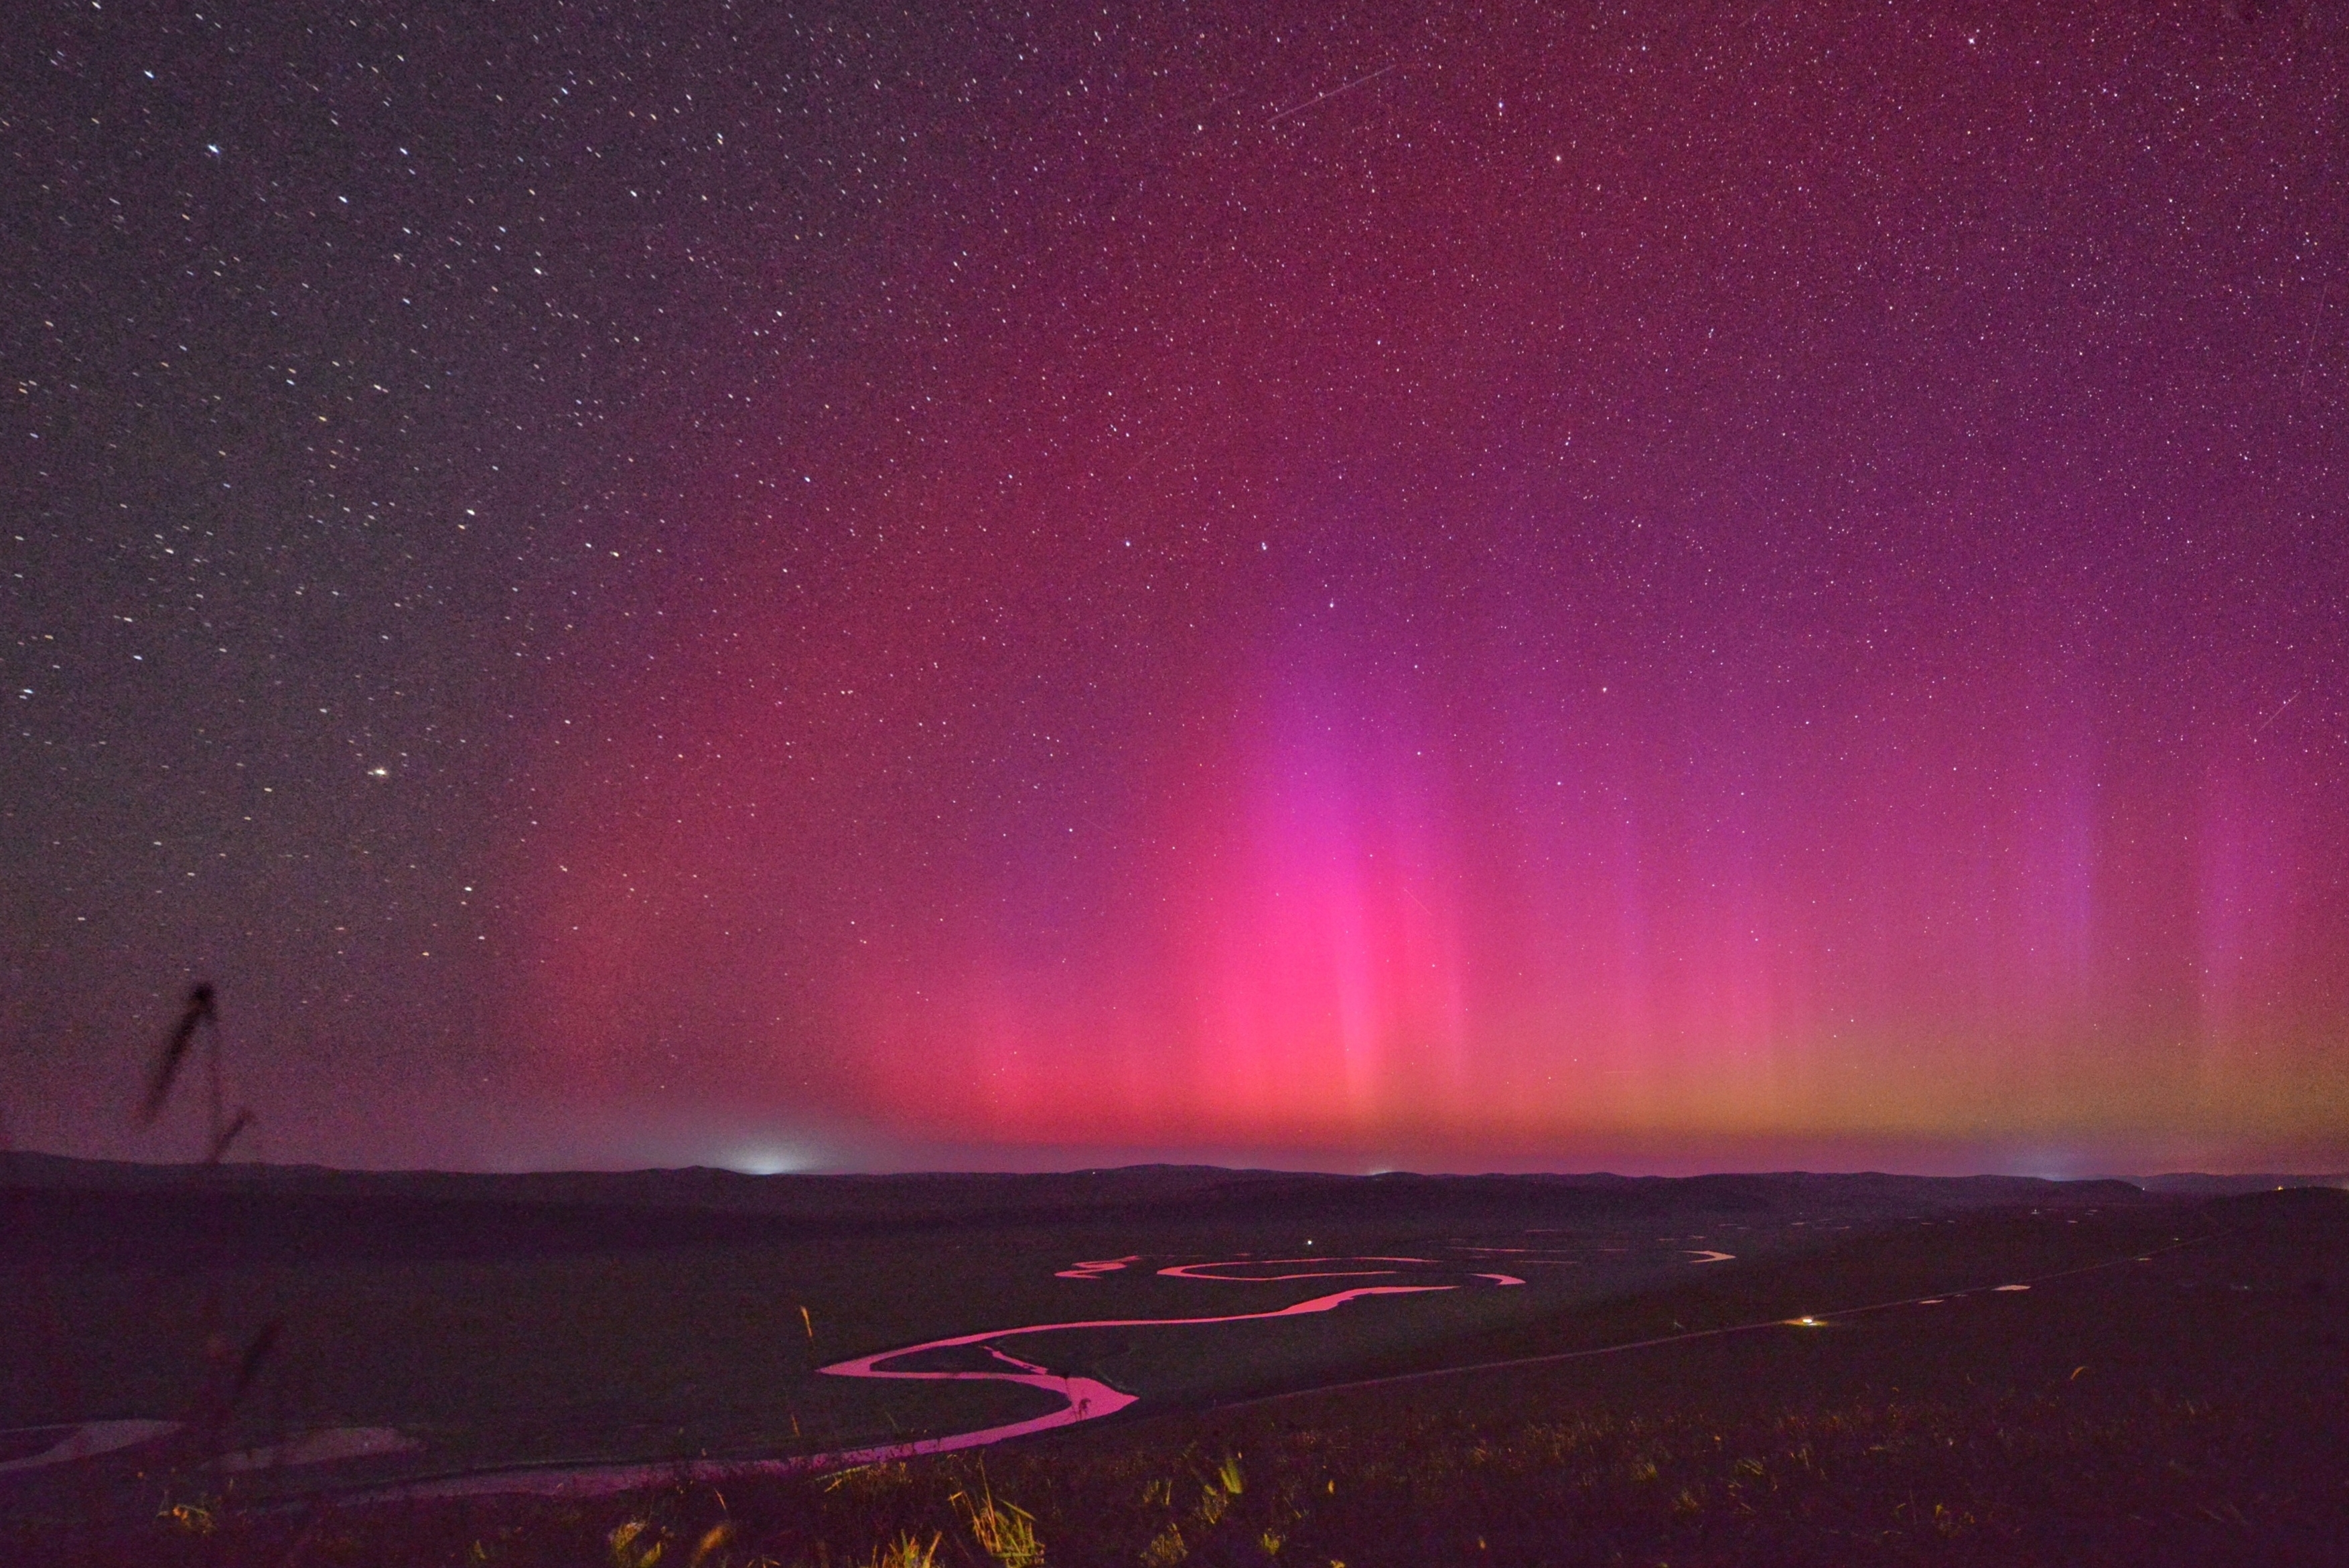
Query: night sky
point(1662, 586)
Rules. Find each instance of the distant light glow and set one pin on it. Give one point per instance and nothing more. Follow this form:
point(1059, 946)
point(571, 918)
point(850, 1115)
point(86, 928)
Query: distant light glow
point(766, 1160)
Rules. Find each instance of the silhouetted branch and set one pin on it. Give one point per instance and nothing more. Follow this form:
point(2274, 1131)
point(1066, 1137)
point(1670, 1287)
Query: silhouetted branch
point(256, 1354)
point(228, 1135)
point(199, 1010)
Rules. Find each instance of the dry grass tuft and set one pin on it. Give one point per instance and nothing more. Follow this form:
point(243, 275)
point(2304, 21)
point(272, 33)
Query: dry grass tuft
point(1166, 1548)
point(636, 1543)
point(908, 1552)
point(1006, 1534)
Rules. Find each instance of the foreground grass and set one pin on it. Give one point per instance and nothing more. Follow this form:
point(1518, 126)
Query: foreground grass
point(2020, 1477)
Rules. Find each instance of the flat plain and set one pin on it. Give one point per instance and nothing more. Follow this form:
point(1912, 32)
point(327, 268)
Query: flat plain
point(1726, 1368)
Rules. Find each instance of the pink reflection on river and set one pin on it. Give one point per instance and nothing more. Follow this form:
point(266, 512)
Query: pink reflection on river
point(1082, 1398)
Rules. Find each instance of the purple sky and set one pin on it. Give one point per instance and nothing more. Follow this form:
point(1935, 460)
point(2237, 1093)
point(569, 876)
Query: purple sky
point(1459, 587)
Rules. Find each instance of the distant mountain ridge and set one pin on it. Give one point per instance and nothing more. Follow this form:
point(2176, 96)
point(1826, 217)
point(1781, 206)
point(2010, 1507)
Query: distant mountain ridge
point(2201, 1184)
point(59, 1207)
point(704, 1187)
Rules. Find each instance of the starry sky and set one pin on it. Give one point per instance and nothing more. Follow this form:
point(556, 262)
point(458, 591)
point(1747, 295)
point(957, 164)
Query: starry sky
point(1467, 587)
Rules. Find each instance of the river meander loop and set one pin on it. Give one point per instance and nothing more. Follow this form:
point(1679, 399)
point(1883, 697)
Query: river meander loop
point(1082, 1398)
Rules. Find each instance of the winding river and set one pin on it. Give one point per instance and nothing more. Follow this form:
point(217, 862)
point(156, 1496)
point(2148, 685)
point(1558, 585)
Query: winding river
point(1079, 1398)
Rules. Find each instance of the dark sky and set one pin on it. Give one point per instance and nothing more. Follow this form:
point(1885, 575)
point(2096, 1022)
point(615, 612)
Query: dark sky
point(1660, 585)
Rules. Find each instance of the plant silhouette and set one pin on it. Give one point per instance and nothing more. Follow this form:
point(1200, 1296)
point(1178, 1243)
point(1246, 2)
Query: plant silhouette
point(202, 1011)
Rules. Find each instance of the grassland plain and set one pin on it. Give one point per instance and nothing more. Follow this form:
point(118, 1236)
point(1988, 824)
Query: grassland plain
point(667, 1314)
point(2188, 1409)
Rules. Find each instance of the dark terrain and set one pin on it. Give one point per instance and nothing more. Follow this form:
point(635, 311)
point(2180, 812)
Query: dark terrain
point(2170, 1389)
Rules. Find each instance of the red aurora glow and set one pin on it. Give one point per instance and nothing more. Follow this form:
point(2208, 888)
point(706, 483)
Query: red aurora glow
point(1435, 636)
point(1386, 881)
